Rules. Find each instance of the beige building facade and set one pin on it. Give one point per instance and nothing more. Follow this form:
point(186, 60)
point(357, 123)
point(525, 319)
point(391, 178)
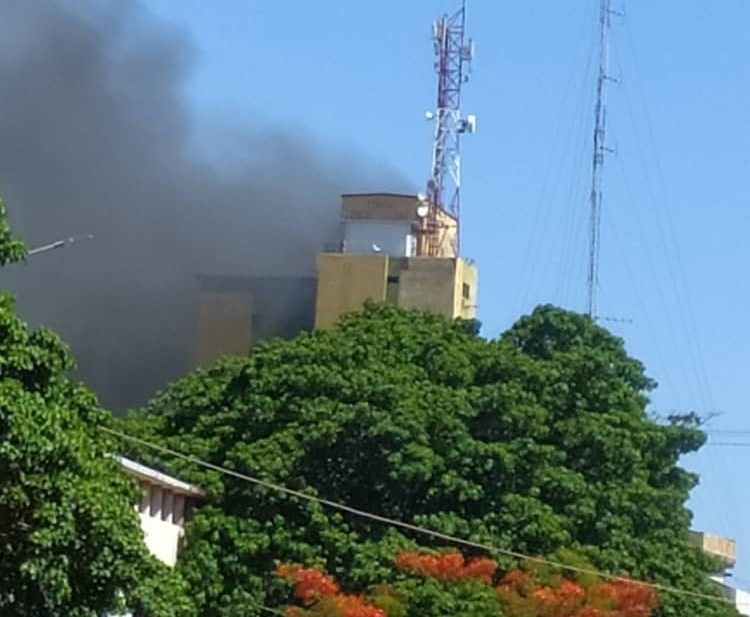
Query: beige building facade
point(346, 282)
point(235, 312)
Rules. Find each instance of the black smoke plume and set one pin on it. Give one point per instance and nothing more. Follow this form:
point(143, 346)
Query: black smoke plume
point(95, 138)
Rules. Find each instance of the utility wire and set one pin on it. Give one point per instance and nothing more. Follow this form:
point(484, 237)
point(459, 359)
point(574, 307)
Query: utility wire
point(414, 528)
point(729, 444)
point(662, 216)
point(268, 609)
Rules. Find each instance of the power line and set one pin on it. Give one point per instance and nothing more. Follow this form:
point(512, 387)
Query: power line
point(728, 431)
point(408, 526)
point(729, 444)
point(659, 215)
point(268, 609)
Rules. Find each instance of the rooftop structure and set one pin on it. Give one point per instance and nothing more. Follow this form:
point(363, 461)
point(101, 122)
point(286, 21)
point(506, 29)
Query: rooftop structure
point(723, 549)
point(391, 224)
point(378, 261)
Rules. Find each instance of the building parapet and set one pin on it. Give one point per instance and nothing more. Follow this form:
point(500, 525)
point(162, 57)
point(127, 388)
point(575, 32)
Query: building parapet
point(165, 506)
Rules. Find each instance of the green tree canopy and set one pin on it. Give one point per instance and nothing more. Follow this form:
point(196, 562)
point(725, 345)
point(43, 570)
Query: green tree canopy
point(70, 542)
point(536, 441)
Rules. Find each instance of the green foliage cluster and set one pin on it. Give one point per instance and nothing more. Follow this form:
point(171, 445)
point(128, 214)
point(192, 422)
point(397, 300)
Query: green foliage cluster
point(536, 441)
point(11, 248)
point(70, 542)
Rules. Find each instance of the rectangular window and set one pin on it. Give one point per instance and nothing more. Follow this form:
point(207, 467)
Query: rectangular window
point(466, 291)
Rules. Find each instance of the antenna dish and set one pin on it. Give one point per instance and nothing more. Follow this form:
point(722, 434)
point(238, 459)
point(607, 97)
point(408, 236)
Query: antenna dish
point(423, 211)
point(376, 248)
point(429, 115)
point(422, 197)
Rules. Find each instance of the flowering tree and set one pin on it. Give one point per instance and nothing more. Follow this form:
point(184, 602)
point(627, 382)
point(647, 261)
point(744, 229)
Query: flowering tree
point(533, 591)
point(447, 566)
point(321, 596)
point(533, 442)
point(525, 593)
point(537, 590)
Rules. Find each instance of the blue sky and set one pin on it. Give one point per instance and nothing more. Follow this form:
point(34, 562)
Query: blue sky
point(357, 77)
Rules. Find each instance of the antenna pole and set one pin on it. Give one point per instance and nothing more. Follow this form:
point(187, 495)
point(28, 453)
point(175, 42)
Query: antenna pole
point(57, 244)
point(453, 55)
point(600, 127)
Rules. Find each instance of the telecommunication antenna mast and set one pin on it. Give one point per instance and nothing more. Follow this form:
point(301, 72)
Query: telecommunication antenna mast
point(600, 148)
point(57, 244)
point(453, 55)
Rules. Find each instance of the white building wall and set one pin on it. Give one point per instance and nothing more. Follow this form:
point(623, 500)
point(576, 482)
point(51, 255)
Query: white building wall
point(393, 238)
point(739, 597)
point(162, 538)
point(164, 504)
point(742, 601)
point(162, 514)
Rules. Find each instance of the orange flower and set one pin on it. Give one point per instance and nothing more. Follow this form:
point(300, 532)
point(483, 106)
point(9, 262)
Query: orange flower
point(630, 599)
point(546, 596)
point(323, 596)
point(311, 584)
point(448, 566)
point(482, 569)
point(571, 591)
point(355, 606)
point(591, 612)
point(515, 577)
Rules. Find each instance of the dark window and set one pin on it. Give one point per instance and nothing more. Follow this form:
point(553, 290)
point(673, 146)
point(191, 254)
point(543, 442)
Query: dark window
point(393, 279)
point(466, 291)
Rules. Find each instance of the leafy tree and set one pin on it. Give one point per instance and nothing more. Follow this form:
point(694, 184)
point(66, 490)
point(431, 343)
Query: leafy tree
point(536, 441)
point(70, 542)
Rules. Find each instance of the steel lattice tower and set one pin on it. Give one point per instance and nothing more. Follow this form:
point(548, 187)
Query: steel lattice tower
point(453, 55)
point(600, 148)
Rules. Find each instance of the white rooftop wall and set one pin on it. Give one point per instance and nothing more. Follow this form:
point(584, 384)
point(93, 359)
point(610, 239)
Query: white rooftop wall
point(393, 238)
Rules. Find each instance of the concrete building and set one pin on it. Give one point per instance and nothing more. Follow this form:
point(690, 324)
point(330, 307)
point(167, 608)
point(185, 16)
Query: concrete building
point(165, 505)
point(725, 550)
point(377, 261)
point(237, 311)
point(374, 259)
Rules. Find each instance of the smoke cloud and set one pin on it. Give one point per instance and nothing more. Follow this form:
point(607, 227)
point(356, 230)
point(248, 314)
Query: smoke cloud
point(95, 138)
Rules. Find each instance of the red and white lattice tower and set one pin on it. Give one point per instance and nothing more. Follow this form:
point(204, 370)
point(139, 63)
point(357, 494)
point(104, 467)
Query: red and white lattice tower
point(453, 55)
